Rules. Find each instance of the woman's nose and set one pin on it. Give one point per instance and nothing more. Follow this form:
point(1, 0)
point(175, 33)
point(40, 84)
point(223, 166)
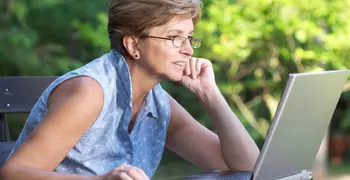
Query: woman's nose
point(187, 48)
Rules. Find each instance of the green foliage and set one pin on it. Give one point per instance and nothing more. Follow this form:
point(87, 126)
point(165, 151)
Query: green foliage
point(253, 44)
point(40, 37)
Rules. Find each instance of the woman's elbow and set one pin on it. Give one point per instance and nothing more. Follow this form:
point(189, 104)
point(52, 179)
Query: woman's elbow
point(4, 172)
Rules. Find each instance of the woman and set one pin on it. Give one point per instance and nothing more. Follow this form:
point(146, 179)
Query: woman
point(110, 119)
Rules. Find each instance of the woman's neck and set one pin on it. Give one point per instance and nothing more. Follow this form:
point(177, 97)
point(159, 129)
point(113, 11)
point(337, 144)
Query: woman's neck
point(142, 81)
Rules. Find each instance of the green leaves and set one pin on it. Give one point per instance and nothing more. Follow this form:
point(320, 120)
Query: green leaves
point(40, 37)
point(257, 43)
point(96, 35)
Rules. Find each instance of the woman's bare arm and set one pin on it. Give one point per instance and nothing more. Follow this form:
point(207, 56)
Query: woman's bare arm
point(72, 108)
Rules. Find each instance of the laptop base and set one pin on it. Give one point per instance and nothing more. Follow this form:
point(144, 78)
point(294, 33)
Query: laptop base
point(303, 175)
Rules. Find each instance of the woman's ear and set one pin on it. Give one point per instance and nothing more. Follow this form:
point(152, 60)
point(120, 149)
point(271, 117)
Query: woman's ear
point(131, 45)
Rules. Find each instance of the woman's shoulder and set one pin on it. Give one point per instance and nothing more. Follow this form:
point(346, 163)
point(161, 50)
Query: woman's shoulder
point(98, 69)
point(91, 78)
point(159, 92)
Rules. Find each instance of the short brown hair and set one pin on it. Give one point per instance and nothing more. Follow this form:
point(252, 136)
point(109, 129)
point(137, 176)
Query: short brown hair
point(136, 17)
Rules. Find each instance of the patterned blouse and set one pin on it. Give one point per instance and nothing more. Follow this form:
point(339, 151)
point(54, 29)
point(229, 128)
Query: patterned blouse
point(107, 143)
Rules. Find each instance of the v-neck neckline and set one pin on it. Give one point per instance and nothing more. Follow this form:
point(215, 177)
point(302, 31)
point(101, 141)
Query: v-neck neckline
point(133, 122)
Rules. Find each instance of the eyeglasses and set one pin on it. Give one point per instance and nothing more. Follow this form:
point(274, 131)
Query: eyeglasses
point(180, 41)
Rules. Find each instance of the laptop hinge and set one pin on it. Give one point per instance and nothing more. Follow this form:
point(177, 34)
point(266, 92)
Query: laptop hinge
point(303, 175)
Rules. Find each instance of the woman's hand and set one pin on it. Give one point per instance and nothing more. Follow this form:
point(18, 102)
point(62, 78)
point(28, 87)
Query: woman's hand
point(125, 172)
point(198, 75)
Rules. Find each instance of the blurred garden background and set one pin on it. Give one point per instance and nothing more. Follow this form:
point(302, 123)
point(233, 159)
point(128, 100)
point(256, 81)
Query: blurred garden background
point(253, 44)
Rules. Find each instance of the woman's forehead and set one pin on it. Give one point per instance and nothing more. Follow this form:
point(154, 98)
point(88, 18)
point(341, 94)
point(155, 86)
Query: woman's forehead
point(178, 24)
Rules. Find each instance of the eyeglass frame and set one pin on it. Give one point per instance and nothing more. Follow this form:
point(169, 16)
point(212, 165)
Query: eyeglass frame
point(173, 40)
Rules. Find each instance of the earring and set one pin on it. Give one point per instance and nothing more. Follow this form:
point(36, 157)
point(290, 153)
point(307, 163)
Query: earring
point(136, 56)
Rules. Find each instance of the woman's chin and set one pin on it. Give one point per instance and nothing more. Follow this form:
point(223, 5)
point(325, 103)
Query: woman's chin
point(175, 77)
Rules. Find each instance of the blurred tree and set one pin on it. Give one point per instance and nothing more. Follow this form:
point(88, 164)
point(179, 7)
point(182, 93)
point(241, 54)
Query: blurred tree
point(40, 38)
point(255, 44)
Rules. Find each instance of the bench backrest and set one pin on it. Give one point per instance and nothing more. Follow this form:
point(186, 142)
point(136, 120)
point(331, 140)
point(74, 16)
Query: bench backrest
point(19, 94)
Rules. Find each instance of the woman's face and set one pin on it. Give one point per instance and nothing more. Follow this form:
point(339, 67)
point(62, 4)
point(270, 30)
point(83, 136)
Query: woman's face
point(160, 57)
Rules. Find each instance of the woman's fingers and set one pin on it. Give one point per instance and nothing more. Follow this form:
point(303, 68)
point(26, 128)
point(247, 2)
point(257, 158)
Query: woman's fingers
point(125, 176)
point(193, 67)
point(187, 67)
point(199, 65)
point(132, 172)
point(135, 174)
point(125, 172)
point(143, 174)
point(124, 166)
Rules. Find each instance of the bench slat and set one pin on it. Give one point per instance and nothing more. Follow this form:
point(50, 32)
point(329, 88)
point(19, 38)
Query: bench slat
point(19, 94)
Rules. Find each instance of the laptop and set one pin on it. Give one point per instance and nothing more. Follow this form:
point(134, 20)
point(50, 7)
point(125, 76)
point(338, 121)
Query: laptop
point(297, 130)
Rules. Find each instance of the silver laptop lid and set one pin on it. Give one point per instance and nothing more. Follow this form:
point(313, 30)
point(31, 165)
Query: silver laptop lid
point(300, 123)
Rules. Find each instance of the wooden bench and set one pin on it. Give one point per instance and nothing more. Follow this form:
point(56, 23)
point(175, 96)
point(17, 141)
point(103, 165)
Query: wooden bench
point(17, 95)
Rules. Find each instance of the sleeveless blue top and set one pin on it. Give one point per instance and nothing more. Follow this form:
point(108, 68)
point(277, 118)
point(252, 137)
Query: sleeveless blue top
point(107, 143)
